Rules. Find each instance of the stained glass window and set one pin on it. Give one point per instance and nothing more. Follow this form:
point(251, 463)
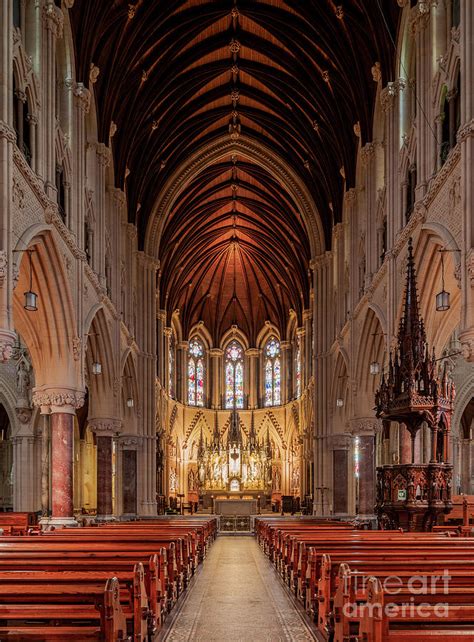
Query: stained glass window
point(272, 372)
point(234, 375)
point(196, 373)
point(298, 366)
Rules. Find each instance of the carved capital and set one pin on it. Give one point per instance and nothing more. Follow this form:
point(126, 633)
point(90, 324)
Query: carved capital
point(104, 426)
point(129, 442)
point(52, 400)
point(340, 441)
point(350, 196)
point(365, 426)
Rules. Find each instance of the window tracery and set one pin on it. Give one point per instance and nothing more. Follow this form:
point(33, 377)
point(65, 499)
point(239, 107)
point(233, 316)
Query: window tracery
point(234, 375)
point(272, 372)
point(196, 373)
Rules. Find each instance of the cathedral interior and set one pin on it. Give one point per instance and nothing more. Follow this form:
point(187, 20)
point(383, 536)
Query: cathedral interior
point(236, 259)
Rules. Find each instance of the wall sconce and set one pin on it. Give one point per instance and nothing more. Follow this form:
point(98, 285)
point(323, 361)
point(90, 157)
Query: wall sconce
point(339, 402)
point(130, 402)
point(442, 298)
point(31, 297)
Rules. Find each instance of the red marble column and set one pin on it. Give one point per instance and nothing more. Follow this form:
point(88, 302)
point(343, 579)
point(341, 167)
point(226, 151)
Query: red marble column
point(405, 445)
point(62, 444)
point(104, 476)
point(366, 474)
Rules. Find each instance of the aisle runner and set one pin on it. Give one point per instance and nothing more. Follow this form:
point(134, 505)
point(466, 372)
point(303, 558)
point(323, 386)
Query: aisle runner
point(237, 597)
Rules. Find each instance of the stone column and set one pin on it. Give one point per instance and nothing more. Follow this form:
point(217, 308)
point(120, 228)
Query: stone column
point(216, 355)
point(82, 98)
point(61, 404)
point(338, 243)
point(163, 335)
point(340, 445)
point(146, 339)
point(285, 347)
point(365, 430)
point(105, 429)
point(466, 139)
point(391, 147)
point(420, 18)
point(323, 332)
point(53, 20)
point(307, 348)
point(368, 161)
point(181, 371)
point(103, 159)
point(7, 140)
point(128, 474)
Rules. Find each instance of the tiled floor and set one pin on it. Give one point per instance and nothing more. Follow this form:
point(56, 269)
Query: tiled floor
point(237, 597)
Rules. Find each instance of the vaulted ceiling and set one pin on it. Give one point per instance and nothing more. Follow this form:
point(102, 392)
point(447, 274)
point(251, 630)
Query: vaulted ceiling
point(291, 75)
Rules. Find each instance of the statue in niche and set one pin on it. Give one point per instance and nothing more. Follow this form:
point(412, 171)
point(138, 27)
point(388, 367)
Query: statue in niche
point(173, 481)
point(276, 479)
point(22, 380)
point(191, 480)
point(295, 479)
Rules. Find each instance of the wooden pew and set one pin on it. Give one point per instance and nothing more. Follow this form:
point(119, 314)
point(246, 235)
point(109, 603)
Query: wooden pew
point(17, 523)
point(42, 611)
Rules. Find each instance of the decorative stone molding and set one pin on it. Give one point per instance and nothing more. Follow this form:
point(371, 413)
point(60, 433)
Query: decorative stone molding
point(350, 196)
point(53, 19)
point(7, 340)
point(7, 132)
point(52, 400)
point(368, 152)
point(83, 96)
point(376, 71)
point(24, 415)
point(103, 154)
point(466, 131)
point(3, 266)
point(105, 427)
point(470, 266)
point(76, 348)
point(467, 345)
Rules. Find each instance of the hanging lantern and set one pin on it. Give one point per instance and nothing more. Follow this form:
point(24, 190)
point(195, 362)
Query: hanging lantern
point(442, 298)
point(96, 368)
point(130, 402)
point(31, 297)
point(374, 368)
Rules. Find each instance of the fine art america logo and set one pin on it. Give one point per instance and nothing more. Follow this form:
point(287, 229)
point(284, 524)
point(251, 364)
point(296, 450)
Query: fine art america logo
point(400, 597)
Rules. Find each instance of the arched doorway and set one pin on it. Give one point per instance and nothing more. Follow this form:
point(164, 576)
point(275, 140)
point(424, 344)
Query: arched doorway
point(6, 462)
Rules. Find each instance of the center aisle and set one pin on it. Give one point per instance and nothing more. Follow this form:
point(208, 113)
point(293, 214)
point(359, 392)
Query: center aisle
point(237, 597)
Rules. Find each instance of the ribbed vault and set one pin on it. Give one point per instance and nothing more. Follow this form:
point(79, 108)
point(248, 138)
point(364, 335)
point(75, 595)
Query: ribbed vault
point(293, 75)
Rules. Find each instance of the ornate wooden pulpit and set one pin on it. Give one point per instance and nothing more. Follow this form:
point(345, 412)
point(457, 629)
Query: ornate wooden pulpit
point(412, 495)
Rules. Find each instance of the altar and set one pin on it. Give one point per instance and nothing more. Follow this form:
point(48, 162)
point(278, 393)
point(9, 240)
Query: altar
point(235, 507)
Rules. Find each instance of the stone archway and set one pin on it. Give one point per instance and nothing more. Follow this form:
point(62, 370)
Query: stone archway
point(467, 448)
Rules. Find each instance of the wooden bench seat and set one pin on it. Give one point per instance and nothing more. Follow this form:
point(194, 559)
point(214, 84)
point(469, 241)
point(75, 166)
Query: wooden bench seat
point(91, 611)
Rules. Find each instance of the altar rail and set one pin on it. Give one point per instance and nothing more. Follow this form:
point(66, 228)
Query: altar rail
point(235, 524)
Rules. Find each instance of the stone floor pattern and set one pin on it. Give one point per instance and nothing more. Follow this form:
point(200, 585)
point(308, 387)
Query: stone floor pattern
point(237, 597)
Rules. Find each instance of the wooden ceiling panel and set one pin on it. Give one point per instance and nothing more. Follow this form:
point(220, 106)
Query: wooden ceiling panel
point(293, 75)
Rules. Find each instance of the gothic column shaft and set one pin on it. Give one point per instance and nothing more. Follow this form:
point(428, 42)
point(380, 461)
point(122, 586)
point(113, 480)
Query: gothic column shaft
point(323, 333)
point(104, 475)
point(423, 91)
point(285, 347)
point(466, 138)
point(216, 355)
point(7, 139)
point(53, 29)
point(307, 348)
point(368, 159)
point(62, 441)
